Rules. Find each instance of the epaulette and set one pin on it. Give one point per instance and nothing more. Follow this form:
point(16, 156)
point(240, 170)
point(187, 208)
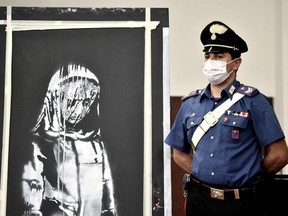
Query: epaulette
point(246, 90)
point(192, 94)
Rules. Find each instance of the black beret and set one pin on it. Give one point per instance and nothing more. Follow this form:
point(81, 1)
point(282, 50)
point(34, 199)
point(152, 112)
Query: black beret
point(218, 37)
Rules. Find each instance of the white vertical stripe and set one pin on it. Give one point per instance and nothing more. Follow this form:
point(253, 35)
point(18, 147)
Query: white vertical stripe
point(6, 116)
point(166, 125)
point(147, 175)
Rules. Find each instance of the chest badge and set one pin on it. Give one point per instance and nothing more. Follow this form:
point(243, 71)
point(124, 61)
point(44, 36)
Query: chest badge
point(235, 134)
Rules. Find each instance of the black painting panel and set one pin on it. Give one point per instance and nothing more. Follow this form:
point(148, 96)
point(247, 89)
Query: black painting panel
point(2, 75)
point(158, 14)
point(79, 14)
point(3, 13)
point(116, 57)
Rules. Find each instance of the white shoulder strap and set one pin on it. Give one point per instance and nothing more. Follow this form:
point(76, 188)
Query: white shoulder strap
point(211, 118)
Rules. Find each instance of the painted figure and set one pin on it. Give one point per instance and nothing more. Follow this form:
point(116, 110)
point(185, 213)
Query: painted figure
point(69, 173)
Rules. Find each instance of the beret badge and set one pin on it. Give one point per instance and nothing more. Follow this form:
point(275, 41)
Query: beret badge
point(217, 28)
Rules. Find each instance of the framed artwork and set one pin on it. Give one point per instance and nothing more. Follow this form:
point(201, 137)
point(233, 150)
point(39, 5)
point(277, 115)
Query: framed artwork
point(83, 94)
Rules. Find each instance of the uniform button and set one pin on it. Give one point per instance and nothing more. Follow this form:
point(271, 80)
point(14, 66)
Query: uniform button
point(211, 155)
point(212, 173)
point(192, 123)
point(234, 123)
point(193, 114)
point(215, 103)
point(212, 137)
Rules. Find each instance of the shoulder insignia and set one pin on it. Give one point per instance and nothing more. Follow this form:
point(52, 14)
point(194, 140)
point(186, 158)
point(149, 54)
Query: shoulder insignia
point(246, 90)
point(192, 94)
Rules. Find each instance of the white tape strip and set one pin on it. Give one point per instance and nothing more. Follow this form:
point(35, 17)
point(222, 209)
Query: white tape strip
point(147, 175)
point(6, 116)
point(166, 125)
point(27, 25)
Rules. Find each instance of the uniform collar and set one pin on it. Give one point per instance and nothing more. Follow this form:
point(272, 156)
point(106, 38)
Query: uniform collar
point(232, 88)
point(229, 90)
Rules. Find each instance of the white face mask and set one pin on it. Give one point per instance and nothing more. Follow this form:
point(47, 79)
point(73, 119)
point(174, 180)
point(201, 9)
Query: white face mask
point(215, 71)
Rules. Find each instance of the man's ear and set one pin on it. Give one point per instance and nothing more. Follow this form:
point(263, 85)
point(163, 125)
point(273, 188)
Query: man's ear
point(237, 63)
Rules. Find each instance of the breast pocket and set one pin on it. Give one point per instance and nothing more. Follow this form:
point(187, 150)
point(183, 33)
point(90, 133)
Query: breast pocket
point(233, 126)
point(192, 123)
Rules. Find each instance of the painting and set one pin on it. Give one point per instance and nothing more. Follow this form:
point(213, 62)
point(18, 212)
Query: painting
point(78, 105)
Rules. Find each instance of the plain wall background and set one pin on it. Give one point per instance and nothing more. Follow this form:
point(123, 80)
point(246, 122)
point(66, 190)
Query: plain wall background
point(262, 23)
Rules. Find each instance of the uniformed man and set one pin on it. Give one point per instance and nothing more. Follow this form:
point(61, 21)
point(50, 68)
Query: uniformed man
point(219, 132)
